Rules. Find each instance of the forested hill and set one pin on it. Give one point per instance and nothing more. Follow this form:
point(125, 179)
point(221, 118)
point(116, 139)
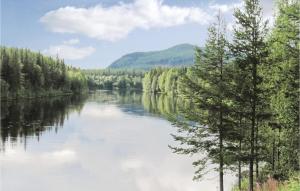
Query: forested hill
point(29, 74)
point(180, 55)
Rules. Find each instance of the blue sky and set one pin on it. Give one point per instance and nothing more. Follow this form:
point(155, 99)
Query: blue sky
point(94, 33)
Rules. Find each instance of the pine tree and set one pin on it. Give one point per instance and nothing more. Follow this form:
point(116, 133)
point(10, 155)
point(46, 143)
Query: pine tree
point(248, 49)
point(205, 87)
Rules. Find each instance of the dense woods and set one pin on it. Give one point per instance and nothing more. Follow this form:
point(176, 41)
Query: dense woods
point(162, 80)
point(243, 96)
point(28, 74)
point(114, 79)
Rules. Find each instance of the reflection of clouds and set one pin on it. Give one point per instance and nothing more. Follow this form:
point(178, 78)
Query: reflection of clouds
point(63, 156)
point(131, 164)
point(19, 156)
point(106, 150)
point(165, 174)
point(92, 110)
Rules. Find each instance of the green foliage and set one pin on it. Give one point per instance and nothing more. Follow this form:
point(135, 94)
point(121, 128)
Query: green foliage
point(162, 80)
point(204, 86)
point(290, 185)
point(258, 97)
point(162, 104)
point(29, 74)
point(180, 55)
point(239, 102)
point(114, 79)
point(282, 81)
point(249, 51)
point(293, 184)
point(244, 185)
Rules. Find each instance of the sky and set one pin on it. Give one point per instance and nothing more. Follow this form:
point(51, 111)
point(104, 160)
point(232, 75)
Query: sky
point(94, 33)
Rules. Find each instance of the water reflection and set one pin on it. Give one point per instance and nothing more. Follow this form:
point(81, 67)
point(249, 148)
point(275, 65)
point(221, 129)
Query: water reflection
point(21, 119)
point(113, 144)
point(161, 104)
point(127, 101)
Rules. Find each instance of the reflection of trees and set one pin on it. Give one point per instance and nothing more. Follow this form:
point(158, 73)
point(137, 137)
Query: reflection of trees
point(162, 104)
point(136, 102)
point(30, 118)
point(118, 97)
point(21, 119)
point(128, 101)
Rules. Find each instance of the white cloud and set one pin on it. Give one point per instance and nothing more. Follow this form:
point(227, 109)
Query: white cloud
point(116, 22)
point(230, 26)
point(268, 7)
point(72, 41)
point(226, 8)
point(68, 51)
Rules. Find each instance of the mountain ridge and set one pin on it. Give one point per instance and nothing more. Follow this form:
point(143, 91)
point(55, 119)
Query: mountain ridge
point(175, 56)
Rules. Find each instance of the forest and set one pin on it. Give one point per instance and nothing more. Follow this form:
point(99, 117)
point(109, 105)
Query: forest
point(29, 74)
point(162, 80)
point(114, 79)
point(241, 98)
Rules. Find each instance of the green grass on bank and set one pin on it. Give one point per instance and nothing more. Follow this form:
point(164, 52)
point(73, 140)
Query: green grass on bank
point(293, 184)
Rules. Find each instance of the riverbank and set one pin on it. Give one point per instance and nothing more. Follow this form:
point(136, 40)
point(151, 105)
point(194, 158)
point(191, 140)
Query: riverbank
point(293, 184)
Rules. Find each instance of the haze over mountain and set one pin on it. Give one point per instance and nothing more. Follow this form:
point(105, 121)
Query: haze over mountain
point(179, 55)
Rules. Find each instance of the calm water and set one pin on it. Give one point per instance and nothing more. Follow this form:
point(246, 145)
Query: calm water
point(106, 141)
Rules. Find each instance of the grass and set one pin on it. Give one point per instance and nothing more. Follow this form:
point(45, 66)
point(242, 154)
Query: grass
point(273, 185)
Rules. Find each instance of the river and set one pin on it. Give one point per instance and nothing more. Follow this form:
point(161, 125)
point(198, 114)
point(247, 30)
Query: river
point(107, 141)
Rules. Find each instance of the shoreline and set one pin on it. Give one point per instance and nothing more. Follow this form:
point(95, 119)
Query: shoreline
point(45, 95)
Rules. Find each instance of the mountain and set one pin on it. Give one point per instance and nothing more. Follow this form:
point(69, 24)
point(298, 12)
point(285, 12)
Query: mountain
point(180, 55)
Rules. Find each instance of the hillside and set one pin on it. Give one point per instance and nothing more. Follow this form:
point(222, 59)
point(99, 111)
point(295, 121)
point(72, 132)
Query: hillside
point(180, 55)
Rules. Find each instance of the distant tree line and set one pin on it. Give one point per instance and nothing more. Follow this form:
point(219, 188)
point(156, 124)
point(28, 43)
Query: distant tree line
point(243, 97)
point(114, 79)
point(28, 74)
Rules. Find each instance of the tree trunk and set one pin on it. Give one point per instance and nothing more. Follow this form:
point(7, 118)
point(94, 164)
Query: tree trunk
point(221, 173)
point(273, 155)
point(252, 133)
point(253, 124)
point(240, 154)
point(240, 168)
point(256, 154)
point(278, 149)
point(251, 156)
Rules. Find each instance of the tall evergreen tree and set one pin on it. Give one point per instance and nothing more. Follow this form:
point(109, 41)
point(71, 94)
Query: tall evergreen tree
point(248, 48)
point(205, 87)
